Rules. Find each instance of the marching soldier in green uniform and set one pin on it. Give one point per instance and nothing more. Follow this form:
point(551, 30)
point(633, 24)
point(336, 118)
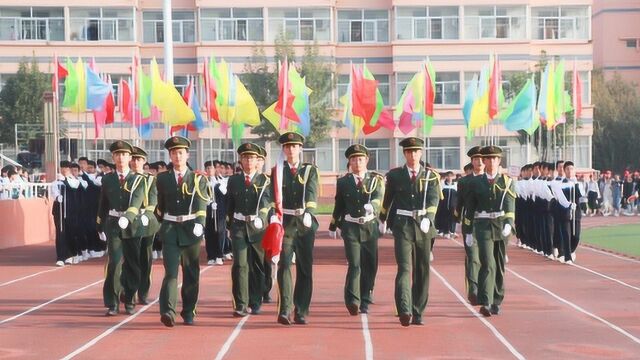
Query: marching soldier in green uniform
point(247, 210)
point(182, 203)
point(120, 200)
point(268, 263)
point(295, 190)
point(472, 260)
point(414, 192)
point(358, 202)
point(490, 206)
point(148, 224)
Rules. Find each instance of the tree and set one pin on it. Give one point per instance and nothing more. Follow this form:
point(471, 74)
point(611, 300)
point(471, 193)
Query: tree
point(21, 100)
point(262, 82)
point(616, 123)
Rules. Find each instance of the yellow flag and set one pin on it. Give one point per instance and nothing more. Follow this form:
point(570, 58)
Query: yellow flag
point(168, 100)
point(81, 100)
point(246, 108)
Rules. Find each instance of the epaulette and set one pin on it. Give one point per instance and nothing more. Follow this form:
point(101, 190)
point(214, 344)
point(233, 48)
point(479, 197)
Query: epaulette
point(376, 174)
point(309, 164)
point(436, 175)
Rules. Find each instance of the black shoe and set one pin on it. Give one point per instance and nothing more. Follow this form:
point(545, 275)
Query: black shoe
point(255, 310)
point(129, 309)
point(417, 320)
point(187, 320)
point(299, 319)
point(353, 309)
point(473, 299)
point(364, 308)
point(143, 301)
point(405, 319)
point(112, 311)
point(495, 309)
point(284, 319)
point(167, 320)
point(240, 313)
point(266, 299)
point(485, 311)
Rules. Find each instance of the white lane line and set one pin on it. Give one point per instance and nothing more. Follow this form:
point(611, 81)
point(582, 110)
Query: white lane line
point(368, 344)
point(577, 308)
point(49, 302)
point(29, 276)
point(475, 313)
point(610, 254)
point(115, 327)
point(227, 344)
point(606, 277)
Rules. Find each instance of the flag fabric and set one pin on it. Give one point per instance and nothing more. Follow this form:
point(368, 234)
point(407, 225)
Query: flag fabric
point(59, 73)
point(126, 101)
point(191, 99)
point(479, 116)
point(559, 97)
point(210, 92)
point(166, 98)
point(97, 90)
point(70, 86)
point(293, 97)
point(521, 113)
point(550, 105)
point(284, 105)
point(495, 89)
point(577, 93)
point(429, 98)
point(104, 114)
point(416, 105)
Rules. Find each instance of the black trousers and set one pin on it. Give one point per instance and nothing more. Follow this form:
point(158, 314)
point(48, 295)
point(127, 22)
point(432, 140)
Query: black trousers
point(62, 250)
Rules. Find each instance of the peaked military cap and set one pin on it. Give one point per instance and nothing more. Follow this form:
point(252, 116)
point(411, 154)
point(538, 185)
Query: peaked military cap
point(491, 151)
point(291, 138)
point(263, 152)
point(412, 143)
point(249, 149)
point(138, 152)
point(177, 142)
point(356, 150)
point(121, 146)
point(474, 151)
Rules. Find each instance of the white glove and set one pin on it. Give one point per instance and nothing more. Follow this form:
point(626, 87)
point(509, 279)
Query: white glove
point(306, 220)
point(60, 177)
point(257, 223)
point(368, 208)
point(333, 234)
point(507, 230)
point(425, 224)
point(214, 206)
point(573, 206)
point(197, 230)
point(382, 227)
point(59, 198)
point(144, 220)
point(274, 219)
point(123, 222)
point(102, 236)
point(468, 240)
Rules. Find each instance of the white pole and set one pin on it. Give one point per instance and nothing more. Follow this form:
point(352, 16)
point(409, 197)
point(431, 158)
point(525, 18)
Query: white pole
point(168, 48)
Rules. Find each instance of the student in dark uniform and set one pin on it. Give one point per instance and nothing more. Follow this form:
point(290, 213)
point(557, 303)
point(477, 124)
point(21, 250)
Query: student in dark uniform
point(58, 210)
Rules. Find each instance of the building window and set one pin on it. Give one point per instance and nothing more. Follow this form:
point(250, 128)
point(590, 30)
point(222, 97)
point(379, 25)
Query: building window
point(363, 26)
point(509, 92)
point(447, 88)
point(184, 26)
point(321, 155)
point(432, 22)
point(232, 24)
point(383, 86)
point(494, 22)
point(563, 22)
point(379, 154)
point(32, 23)
point(443, 153)
point(632, 43)
point(304, 24)
point(181, 82)
point(102, 24)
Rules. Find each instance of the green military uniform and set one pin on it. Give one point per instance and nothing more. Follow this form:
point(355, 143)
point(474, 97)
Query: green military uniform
point(472, 259)
point(182, 210)
point(146, 233)
point(299, 188)
point(414, 200)
point(359, 230)
point(268, 263)
point(119, 198)
point(248, 205)
point(490, 206)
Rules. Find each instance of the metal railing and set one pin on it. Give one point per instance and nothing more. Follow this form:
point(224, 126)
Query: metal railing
point(24, 190)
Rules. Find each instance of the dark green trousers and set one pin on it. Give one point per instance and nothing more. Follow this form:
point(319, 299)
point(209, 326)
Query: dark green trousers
point(298, 239)
point(361, 250)
point(491, 275)
point(174, 256)
point(471, 267)
point(412, 250)
point(131, 270)
point(146, 264)
point(247, 271)
point(112, 286)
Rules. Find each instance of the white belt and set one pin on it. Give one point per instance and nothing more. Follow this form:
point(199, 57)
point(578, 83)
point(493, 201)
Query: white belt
point(293, 212)
point(411, 213)
point(488, 215)
point(245, 218)
point(179, 218)
point(116, 213)
point(359, 220)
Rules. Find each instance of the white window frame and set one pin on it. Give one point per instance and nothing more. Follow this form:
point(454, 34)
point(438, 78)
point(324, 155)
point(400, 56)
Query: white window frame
point(535, 21)
point(300, 19)
point(101, 20)
point(218, 24)
point(487, 18)
point(428, 19)
point(363, 20)
point(401, 85)
point(19, 30)
point(179, 22)
point(443, 153)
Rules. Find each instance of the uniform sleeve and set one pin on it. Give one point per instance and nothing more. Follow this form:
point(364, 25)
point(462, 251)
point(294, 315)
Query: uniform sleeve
point(230, 201)
point(389, 195)
point(201, 200)
point(470, 204)
point(103, 208)
point(434, 194)
point(378, 194)
point(152, 197)
point(138, 193)
point(160, 204)
point(338, 209)
point(509, 203)
point(266, 203)
point(311, 196)
point(457, 213)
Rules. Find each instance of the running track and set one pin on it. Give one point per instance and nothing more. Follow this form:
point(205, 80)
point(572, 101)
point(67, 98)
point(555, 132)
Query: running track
point(551, 311)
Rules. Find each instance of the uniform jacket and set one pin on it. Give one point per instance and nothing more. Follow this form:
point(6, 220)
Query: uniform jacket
point(350, 199)
point(483, 196)
point(127, 198)
point(254, 199)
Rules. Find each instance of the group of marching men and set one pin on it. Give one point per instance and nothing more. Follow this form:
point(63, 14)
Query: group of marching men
point(269, 220)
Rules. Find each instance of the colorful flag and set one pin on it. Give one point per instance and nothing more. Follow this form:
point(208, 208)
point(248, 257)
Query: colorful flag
point(577, 93)
point(97, 90)
point(167, 99)
point(495, 87)
point(59, 73)
point(521, 112)
point(70, 86)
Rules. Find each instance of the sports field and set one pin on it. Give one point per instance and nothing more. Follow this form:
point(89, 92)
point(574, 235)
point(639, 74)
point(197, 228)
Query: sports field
point(622, 239)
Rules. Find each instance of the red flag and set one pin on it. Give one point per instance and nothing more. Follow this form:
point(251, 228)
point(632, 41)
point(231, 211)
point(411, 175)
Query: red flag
point(210, 93)
point(365, 93)
point(284, 105)
point(494, 89)
point(110, 109)
point(577, 93)
point(126, 105)
point(59, 73)
point(429, 93)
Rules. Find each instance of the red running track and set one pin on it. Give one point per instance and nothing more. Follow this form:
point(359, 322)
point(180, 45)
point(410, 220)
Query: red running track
point(551, 310)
